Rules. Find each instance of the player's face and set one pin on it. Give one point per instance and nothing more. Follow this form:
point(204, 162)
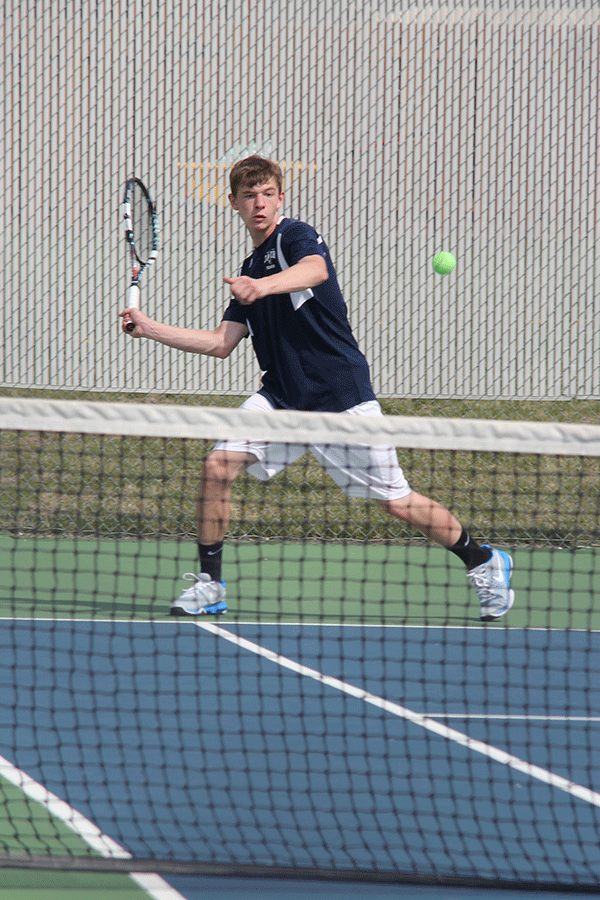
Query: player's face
point(259, 207)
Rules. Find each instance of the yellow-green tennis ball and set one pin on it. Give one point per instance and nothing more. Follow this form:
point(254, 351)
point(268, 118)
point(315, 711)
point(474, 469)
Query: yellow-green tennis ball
point(443, 263)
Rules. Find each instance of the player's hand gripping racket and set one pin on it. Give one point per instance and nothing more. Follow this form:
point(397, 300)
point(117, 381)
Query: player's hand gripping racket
point(141, 233)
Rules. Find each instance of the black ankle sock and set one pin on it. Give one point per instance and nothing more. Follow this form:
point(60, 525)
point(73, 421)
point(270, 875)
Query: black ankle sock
point(211, 557)
point(469, 551)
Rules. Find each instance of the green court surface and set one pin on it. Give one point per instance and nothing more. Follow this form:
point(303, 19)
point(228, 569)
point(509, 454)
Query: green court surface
point(27, 828)
point(408, 584)
point(23, 884)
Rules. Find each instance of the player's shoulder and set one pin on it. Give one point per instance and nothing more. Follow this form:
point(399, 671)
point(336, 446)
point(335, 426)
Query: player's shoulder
point(295, 229)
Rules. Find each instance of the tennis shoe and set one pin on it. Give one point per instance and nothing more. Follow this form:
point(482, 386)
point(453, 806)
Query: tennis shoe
point(491, 580)
point(204, 597)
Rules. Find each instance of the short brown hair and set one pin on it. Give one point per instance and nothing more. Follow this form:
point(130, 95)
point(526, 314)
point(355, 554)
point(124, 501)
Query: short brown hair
point(252, 171)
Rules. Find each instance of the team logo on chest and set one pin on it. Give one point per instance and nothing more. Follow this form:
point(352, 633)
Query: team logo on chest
point(270, 260)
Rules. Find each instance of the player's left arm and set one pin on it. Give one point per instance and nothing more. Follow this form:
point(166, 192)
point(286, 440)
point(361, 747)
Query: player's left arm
point(308, 272)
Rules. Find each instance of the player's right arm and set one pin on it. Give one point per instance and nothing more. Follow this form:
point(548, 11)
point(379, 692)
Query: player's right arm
point(219, 343)
point(309, 272)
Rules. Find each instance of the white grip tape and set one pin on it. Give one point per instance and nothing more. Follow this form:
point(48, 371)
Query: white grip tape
point(133, 297)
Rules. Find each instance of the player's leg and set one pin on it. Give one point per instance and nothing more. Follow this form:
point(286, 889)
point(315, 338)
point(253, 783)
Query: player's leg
point(207, 594)
point(428, 516)
point(488, 569)
point(221, 468)
point(374, 472)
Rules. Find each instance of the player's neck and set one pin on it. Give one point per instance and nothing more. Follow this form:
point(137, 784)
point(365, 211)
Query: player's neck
point(259, 237)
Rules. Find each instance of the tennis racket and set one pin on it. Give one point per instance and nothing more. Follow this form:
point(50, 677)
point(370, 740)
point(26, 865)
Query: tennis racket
point(141, 233)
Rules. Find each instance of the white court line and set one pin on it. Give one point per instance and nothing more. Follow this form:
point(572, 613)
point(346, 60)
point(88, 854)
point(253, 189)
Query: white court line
point(507, 717)
point(450, 734)
point(155, 886)
point(167, 620)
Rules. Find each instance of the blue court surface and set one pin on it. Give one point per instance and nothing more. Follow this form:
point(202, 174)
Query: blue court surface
point(237, 888)
point(466, 751)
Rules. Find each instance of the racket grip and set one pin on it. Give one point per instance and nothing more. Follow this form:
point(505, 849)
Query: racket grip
point(133, 302)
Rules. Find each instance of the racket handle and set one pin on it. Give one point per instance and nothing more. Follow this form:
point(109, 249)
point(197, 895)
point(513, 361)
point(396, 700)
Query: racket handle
point(133, 302)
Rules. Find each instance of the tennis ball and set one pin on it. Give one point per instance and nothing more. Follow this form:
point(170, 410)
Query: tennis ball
point(443, 263)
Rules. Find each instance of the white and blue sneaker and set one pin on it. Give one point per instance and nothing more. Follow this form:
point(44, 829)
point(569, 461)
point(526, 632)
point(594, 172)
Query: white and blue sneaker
point(491, 580)
point(204, 597)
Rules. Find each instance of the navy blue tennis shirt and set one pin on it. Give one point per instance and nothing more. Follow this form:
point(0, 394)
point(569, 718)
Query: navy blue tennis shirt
point(303, 341)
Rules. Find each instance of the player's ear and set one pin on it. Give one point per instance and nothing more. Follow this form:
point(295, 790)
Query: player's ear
point(232, 202)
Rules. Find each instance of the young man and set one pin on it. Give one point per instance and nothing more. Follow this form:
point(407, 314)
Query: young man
point(287, 299)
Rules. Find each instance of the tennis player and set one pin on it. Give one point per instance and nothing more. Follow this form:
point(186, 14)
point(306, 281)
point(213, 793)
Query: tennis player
point(287, 299)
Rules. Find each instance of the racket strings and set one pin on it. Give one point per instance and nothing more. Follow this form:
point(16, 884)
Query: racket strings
point(141, 225)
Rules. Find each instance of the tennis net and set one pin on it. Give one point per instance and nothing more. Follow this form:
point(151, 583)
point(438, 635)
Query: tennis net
point(350, 717)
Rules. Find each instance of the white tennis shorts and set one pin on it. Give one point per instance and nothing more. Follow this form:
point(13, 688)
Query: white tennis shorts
point(360, 471)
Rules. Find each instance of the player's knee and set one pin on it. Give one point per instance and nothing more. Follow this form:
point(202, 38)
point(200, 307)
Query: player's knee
point(220, 468)
point(399, 507)
point(386, 505)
